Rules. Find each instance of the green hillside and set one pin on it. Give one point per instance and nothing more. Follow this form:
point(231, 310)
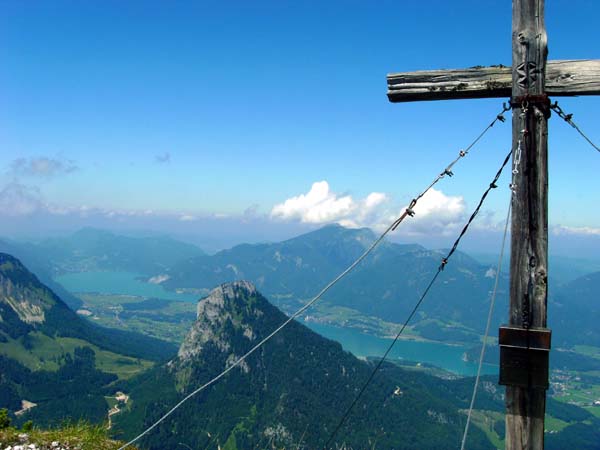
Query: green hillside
point(53, 360)
point(289, 394)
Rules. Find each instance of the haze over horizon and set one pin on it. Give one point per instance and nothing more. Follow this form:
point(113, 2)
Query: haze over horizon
point(228, 123)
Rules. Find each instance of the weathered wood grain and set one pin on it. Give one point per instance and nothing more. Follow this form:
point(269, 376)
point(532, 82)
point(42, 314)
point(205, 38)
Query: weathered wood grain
point(563, 78)
point(525, 406)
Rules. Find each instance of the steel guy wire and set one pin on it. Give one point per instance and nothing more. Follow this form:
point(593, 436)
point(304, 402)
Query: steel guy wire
point(461, 154)
point(487, 326)
point(407, 212)
point(381, 361)
point(492, 185)
point(569, 119)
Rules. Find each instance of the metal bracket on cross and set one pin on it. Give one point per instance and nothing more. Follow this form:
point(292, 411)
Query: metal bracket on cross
point(524, 356)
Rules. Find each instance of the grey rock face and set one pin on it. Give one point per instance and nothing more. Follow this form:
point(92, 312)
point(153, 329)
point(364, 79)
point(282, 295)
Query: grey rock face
point(29, 308)
point(212, 313)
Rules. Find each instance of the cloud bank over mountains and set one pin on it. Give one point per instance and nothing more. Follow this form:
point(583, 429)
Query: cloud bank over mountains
point(17, 199)
point(25, 211)
point(435, 213)
point(320, 205)
point(581, 231)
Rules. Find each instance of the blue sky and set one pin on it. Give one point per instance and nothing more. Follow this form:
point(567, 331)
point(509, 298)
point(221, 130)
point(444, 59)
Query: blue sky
point(197, 117)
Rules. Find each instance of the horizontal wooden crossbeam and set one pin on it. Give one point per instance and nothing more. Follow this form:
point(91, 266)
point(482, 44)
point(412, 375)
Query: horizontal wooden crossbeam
point(563, 79)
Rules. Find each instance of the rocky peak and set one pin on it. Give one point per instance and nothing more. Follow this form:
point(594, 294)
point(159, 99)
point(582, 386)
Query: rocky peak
point(225, 320)
point(211, 306)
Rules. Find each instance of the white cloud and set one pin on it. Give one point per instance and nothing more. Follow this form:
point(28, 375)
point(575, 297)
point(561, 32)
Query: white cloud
point(251, 211)
point(375, 199)
point(187, 218)
point(435, 213)
point(577, 231)
point(42, 167)
point(436, 203)
point(320, 205)
point(19, 200)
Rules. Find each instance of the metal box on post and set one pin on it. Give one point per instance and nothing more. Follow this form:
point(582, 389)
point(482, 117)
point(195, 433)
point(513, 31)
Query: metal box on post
point(524, 356)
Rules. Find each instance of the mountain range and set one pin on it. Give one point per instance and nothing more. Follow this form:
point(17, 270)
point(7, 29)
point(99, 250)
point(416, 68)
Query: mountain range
point(383, 287)
point(291, 393)
point(387, 284)
point(91, 249)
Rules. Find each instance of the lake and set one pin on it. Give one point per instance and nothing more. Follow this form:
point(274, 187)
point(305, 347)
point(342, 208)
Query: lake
point(448, 357)
point(126, 283)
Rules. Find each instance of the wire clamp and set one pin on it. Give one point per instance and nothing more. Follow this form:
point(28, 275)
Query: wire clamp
point(444, 262)
point(541, 102)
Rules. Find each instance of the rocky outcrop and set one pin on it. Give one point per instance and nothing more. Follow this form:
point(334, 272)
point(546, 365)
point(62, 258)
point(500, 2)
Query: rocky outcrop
point(27, 300)
point(227, 303)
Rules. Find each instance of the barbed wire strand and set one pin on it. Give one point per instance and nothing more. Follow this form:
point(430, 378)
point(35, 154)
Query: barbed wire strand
point(487, 327)
point(407, 212)
point(569, 119)
point(416, 307)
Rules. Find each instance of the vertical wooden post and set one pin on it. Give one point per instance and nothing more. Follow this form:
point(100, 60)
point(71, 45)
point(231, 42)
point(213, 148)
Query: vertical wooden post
point(525, 406)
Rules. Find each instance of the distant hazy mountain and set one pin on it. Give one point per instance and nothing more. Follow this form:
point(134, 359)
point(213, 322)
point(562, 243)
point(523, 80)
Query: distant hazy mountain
point(388, 283)
point(385, 285)
point(93, 249)
point(562, 269)
point(290, 394)
point(575, 311)
point(35, 260)
point(55, 359)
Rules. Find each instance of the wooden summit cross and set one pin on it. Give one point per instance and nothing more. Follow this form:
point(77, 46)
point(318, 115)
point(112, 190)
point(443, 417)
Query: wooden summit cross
point(525, 342)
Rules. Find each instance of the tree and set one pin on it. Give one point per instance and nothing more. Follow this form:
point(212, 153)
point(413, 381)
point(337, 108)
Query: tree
point(4, 419)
